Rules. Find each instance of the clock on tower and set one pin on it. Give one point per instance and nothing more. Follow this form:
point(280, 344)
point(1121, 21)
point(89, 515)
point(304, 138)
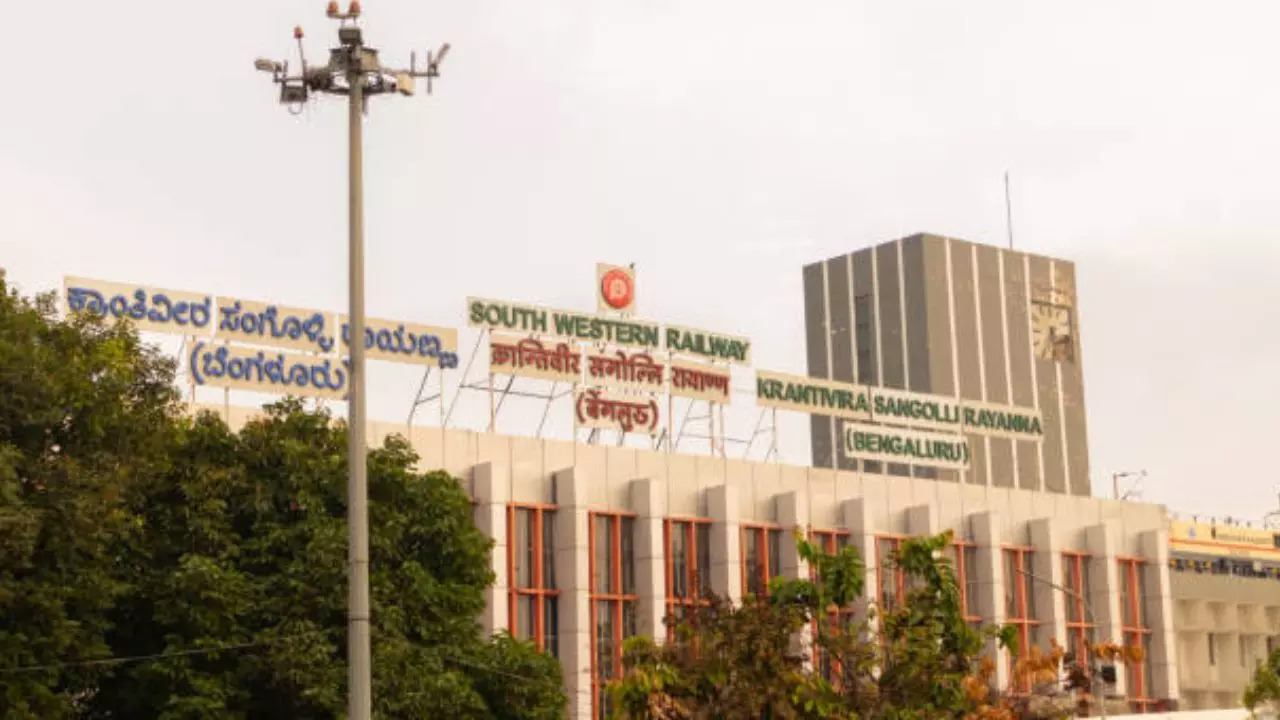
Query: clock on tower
point(1051, 332)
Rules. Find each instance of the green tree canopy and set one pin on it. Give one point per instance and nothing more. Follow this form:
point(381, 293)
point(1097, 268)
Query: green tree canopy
point(215, 561)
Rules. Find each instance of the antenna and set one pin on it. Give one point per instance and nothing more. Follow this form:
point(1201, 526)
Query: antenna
point(1008, 209)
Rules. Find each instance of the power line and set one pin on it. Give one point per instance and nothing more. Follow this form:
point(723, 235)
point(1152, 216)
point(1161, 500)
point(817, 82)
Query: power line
point(156, 656)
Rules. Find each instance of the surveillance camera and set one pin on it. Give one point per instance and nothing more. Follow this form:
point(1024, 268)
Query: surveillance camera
point(404, 84)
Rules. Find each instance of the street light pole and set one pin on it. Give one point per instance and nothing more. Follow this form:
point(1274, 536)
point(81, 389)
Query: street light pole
point(1088, 611)
point(353, 70)
point(1115, 480)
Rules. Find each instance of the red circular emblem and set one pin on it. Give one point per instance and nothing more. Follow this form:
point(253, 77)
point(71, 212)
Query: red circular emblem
point(617, 290)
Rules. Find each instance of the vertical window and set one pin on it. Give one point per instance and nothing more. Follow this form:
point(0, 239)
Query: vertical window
point(1213, 651)
point(1080, 627)
point(761, 558)
point(613, 600)
point(864, 338)
point(1136, 631)
point(1019, 599)
point(890, 580)
point(966, 565)
point(838, 619)
point(534, 615)
point(687, 549)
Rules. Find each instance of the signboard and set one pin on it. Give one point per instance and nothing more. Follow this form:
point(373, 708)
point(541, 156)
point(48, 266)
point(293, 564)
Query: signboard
point(615, 289)
point(266, 371)
point(1224, 540)
point(626, 370)
point(595, 408)
point(812, 395)
point(404, 342)
point(698, 381)
point(1002, 420)
point(909, 447)
point(713, 346)
point(150, 309)
point(252, 322)
point(529, 357)
point(500, 315)
point(259, 323)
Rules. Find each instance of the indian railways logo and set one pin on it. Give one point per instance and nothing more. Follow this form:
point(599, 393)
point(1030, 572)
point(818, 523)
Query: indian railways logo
point(617, 289)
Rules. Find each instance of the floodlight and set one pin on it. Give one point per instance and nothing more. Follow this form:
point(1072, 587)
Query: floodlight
point(349, 35)
point(290, 93)
point(266, 65)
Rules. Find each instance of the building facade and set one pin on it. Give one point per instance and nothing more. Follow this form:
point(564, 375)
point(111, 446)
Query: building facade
point(1225, 582)
point(938, 315)
point(596, 543)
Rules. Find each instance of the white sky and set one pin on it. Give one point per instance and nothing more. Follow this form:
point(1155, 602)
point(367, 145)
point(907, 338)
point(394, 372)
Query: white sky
point(720, 146)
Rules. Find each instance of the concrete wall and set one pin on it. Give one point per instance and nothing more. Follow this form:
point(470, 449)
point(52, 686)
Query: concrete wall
point(1224, 625)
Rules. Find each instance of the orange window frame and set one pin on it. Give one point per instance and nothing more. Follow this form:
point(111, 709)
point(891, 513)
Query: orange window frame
point(538, 591)
point(1021, 605)
point(1136, 632)
point(1080, 630)
point(759, 534)
point(962, 569)
point(695, 577)
point(617, 597)
point(886, 545)
point(828, 541)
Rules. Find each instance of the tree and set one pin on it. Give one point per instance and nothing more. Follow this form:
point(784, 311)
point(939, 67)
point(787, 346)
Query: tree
point(918, 660)
point(1263, 690)
point(85, 411)
point(154, 565)
point(244, 542)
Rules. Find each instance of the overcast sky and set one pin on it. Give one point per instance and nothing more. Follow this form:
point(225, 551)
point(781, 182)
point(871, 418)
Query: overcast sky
point(720, 146)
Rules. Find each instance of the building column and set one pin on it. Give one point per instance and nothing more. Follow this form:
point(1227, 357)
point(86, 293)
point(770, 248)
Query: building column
point(649, 501)
point(922, 521)
point(990, 582)
point(726, 539)
point(1158, 609)
point(491, 498)
point(572, 555)
point(1104, 600)
point(1048, 586)
point(860, 523)
point(792, 510)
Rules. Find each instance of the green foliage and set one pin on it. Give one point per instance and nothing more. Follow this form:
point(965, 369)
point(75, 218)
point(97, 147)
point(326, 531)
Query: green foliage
point(84, 410)
point(130, 530)
point(1264, 687)
point(915, 661)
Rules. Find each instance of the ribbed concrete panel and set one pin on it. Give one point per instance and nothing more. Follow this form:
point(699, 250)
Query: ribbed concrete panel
point(816, 334)
point(1047, 386)
point(866, 341)
point(991, 325)
point(1073, 391)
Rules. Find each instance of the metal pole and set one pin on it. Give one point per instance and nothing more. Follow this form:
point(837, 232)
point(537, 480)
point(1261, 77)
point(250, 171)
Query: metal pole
point(1089, 617)
point(359, 660)
point(1115, 486)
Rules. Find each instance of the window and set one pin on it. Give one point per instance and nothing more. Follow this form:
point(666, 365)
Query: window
point(1080, 626)
point(687, 549)
point(761, 558)
point(890, 581)
point(533, 611)
point(1019, 599)
point(966, 564)
point(1213, 651)
point(613, 600)
point(1133, 593)
point(830, 542)
point(864, 334)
